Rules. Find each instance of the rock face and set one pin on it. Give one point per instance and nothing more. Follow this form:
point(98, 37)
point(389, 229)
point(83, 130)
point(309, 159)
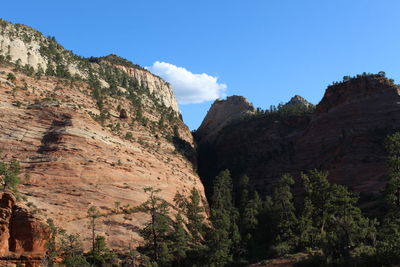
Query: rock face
point(157, 86)
point(344, 136)
point(29, 47)
point(221, 113)
point(78, 151)
point(22, 236)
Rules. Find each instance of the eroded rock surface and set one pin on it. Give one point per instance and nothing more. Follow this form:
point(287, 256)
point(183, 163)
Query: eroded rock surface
point(75, 162)
point(22, 236)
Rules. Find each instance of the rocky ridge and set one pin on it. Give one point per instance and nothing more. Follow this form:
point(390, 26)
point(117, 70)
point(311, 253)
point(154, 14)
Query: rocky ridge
point(27, 47)
point(344, 136)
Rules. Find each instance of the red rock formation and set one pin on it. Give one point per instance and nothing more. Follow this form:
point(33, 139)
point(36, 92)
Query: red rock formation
point(343, 136)
point(22, 236)
point(74, 162)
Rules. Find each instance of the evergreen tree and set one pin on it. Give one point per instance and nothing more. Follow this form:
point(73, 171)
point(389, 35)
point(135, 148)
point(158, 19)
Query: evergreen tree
point(346, 228)
point(249, 219)
point(261, 238)
point(307, 230)
point(193, 210)
point(195, 217)
point(243, 194)
point(224, 234)
point(392, 193)
point(101, 255)
point(93, 214)
point(180, 241)
point(157, 230)
point(331, 221)
point(284, 218)
point(9, 175)
point(72, 249)
point(51, 245)
point(389, 234)
point(317, 198)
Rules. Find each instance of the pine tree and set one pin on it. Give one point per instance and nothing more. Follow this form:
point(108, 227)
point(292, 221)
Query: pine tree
point(307, 230)
point(72, 249)
point(347, 229)
point(243, 193)
point(101, 254)
point(284, 218)
point(157, 230)
point(195, 216)
point(51, 245)
point(180, 241)
point(9, 174)
point(318, 195)
point(389, 234)
point(331, 221)
point(392, 192)
point(249, 222)
point(93, 214)
point(224, 234)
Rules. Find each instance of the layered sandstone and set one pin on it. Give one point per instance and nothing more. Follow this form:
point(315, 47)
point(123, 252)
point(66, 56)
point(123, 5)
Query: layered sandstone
point(79, 148)
point(74, 162)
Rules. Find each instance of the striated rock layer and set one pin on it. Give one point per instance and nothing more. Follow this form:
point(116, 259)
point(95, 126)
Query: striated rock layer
point(74, 162)
point(344, 136)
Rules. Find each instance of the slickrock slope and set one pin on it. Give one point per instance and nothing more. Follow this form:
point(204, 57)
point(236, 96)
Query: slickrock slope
point(93, 140)
point(344, 136)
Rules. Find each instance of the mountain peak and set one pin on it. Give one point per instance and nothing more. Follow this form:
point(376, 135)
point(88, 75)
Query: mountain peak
point(221, 113)
point(298, 100)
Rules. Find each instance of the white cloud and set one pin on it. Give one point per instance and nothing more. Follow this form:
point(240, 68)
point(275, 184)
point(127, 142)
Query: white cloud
point(189, 87)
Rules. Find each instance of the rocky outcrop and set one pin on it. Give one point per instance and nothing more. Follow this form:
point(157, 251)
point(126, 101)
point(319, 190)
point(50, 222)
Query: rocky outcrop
point(22, 236)
point(298, 100)
point(344, 136)
point(221, 113)
point(157, 86)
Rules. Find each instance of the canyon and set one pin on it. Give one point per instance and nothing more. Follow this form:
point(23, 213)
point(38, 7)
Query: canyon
point(97, 131)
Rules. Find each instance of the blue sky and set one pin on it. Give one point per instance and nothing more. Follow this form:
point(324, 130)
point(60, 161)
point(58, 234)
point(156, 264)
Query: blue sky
point(264, 50)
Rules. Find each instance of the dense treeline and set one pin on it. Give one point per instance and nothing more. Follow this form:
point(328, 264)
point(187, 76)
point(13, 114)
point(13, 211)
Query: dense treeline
point(244, 227)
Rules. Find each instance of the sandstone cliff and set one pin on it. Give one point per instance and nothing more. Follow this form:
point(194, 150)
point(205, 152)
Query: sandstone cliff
point(89, 132)
point(344, 136)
